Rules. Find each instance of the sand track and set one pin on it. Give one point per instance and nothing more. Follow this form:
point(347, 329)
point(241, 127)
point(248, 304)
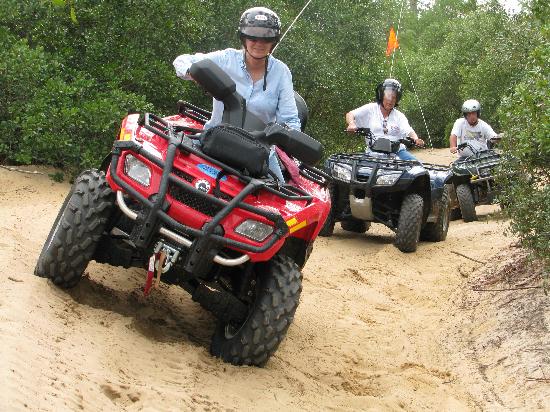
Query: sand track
point(376, 329)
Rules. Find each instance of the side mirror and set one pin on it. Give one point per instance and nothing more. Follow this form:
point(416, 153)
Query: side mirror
point(212, 79)
point(218, 84)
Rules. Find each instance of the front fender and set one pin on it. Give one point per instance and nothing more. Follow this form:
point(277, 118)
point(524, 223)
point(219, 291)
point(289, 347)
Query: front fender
point(105, 163)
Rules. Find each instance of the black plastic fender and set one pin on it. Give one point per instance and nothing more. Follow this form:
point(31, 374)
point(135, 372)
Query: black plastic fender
point(105, 163)
point(420, 181)
point(438, 180)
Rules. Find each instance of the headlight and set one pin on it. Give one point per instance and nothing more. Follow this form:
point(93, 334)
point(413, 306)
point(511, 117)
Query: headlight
point(254, 230)
point(341, 172)
point(137, 170)
point(388, 179)
point(364, 170)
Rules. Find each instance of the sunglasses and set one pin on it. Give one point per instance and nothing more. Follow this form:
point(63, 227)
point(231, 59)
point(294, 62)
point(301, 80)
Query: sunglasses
point(260, 39)
point(385, 126)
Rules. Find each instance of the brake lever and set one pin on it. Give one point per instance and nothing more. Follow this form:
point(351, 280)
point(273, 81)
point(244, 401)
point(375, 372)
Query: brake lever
point(410, 143)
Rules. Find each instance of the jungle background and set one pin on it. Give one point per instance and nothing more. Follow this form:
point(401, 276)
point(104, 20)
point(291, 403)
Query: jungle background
point(71, 69)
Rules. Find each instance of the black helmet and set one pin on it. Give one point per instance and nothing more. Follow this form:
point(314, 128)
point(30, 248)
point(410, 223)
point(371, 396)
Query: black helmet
point(390, 84)
point(260, 22)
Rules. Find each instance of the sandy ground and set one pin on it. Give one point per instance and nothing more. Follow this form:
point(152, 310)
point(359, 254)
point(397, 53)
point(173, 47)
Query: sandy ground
point(376, 329)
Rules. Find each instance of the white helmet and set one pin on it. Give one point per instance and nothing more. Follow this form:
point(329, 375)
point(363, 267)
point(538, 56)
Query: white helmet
point(470, 106)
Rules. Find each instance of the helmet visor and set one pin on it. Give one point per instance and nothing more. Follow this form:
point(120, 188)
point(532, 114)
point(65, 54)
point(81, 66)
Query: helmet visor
point(260, 32)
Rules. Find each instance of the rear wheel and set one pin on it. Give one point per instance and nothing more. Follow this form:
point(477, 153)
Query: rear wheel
point(257, 338)
point(355, 225)
point(77, 229)
point(437, 231)
point(455, 214)
point(466, 201)
point(410, 222)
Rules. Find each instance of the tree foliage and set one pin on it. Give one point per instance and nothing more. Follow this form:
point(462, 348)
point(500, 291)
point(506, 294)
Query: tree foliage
point(525, 115)
point(113, 54)
point(456, 51)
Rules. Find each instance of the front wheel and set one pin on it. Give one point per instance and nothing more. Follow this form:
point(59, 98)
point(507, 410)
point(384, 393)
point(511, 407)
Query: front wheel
point(410, 222)
point(77, 229)
point(270, 315)
point(437, 231)
point(466, 201)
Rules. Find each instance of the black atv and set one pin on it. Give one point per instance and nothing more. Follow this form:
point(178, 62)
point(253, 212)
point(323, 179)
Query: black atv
point(410, 198)
point(473, 180)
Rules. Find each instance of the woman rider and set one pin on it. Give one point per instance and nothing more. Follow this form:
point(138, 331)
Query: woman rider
point(264, 81)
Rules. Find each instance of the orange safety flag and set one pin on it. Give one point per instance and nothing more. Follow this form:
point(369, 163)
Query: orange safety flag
point(392, 43)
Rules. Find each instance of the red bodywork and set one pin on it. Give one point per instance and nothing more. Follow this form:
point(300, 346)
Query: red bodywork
point(303, 218)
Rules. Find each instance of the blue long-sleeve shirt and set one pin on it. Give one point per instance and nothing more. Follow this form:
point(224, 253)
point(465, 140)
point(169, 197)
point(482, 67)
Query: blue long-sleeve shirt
point(275, 104)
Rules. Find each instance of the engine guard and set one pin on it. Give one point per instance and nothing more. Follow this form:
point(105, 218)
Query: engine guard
point(361, 208)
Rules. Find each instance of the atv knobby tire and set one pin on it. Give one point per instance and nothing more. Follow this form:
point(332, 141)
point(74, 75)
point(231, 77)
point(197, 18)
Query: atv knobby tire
point(77, 229)
point(437, 231)
point(410, 223)
point(328, 227)
point(455, 214)
point(466, 201)
point(355, 225)
point(277, 297)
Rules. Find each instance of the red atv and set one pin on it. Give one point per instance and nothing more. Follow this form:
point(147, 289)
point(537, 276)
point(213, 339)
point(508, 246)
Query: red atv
point(198, 208)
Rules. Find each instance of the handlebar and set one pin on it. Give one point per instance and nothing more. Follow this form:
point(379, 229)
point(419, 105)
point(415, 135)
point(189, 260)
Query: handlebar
point(366, 132)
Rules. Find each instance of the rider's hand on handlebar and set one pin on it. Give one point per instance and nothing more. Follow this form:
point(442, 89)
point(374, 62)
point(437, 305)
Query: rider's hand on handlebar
point(453, 149)
point(352, 128)
point(419, 142)
point(188, 75)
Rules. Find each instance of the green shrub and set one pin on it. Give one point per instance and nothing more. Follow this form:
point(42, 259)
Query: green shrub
point(55, 115)
point(72, 125)
point(525, 116)
point(23, 72)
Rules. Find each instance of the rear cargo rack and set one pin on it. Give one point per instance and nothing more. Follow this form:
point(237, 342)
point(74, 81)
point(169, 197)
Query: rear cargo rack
point(439, 168)
point(194, 112)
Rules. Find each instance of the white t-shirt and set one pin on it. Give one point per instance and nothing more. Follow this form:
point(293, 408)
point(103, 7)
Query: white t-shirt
point(481, 132)
point(370, 116)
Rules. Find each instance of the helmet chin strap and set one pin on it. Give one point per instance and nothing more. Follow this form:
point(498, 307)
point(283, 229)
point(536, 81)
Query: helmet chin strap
point(266, 57)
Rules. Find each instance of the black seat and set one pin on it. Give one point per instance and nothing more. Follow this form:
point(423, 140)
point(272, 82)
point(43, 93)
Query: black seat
point(303, 111)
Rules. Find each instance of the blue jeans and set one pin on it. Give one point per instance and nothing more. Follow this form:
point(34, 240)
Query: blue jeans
point(403, 154)
point(274, 165)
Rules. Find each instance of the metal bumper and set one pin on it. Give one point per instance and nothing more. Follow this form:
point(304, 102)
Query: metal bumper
point(175, 237)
